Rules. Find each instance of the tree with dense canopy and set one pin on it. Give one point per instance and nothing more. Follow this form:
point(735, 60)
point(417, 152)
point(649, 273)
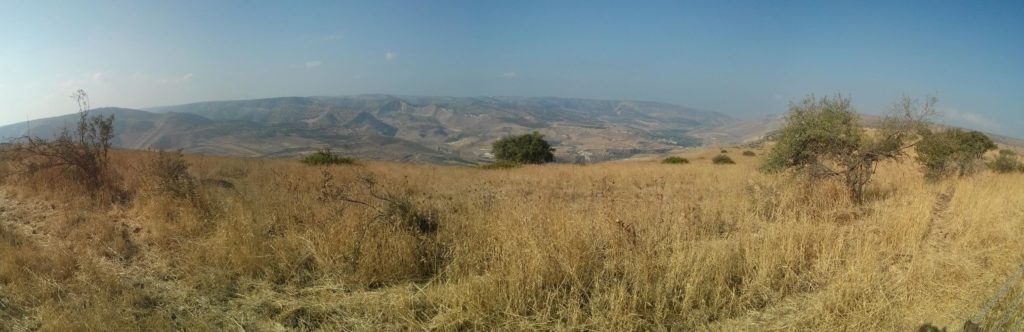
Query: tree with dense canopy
point(952, 151)
point(524, 149)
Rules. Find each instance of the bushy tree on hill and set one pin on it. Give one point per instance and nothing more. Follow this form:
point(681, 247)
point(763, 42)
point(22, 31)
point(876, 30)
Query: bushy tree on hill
point(952, 151)
point(524, 149)
point(1007, 162)
point(824, 137)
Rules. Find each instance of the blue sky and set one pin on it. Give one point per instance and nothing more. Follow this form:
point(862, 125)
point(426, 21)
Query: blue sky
point(743, 58)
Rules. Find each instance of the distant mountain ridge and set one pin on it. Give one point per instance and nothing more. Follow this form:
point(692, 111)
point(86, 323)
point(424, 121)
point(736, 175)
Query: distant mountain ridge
point(420, 129)
point(404, 128)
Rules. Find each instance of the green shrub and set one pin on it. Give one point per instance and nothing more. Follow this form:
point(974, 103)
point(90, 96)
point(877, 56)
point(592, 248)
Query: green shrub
point(952, 151)
point(749, 153)
point(824, 138)
point(722, 160)
point(675, 160)
point(523, 149)
point(724, 151)
point(1007, 162)
point(326, 157)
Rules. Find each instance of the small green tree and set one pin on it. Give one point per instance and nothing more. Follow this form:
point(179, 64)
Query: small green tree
point(952, 151)
point(825, 138)
point(1007, 162)
point(524, 149)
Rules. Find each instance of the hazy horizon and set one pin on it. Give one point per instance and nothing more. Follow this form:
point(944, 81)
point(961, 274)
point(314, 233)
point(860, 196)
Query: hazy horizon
point(742, 59)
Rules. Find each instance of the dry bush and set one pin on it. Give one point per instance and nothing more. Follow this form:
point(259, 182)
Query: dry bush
point(82, 153)
point(170, 170)
point(79, 154)
point(393, 213)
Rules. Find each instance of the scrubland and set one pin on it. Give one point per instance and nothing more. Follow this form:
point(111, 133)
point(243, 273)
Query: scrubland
point(637, 245)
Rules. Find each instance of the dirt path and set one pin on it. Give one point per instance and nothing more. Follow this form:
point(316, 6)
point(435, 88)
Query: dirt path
point(939, 234)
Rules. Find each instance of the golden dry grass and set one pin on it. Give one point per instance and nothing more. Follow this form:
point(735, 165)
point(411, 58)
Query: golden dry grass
point(615, 246)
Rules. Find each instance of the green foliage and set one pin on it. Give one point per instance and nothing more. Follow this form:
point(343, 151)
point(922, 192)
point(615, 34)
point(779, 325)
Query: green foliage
point(816, 129)
point(722, 160)
point(326, 157)
point(501, 165)
point(749, 153)
point(523, 149)
point(824, 137)
point(951, 151)
point(1007, 162)
point(675, 160)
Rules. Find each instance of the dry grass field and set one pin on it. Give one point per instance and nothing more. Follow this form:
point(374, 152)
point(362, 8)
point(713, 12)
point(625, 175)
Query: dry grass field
point(264, 245)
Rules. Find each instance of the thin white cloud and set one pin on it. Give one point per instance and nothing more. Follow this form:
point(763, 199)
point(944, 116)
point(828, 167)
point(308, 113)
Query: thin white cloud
point(509, 74)
point(178, 80)
point(391, 56)
point(98, 78)
point(970, 118)
point(312, 63)
point(70, 83)
point(83, 80)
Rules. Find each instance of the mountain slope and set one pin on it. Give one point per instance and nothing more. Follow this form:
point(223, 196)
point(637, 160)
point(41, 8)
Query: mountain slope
point(463, 128)
point(422, 129)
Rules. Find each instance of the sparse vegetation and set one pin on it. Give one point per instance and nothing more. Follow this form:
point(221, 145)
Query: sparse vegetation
point(722, 160)
point(952, 152)
point(80, 152)
point(749, 153)
point(675, 160)
point(326, 157)
point(398, 246)
point(824, 138)
point(1007, 161)
point(523, 149)
point(616, 246)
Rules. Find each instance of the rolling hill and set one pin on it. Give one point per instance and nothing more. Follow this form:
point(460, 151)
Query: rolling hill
point(424, 129)
point(413, 129)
